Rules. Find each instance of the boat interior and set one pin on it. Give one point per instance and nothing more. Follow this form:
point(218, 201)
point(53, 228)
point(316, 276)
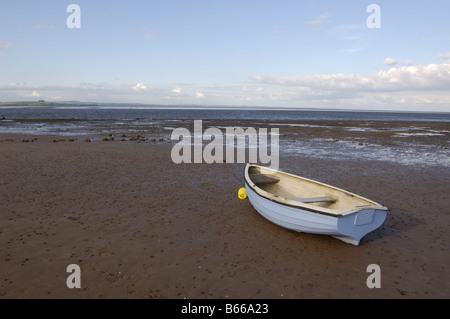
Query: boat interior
point(298, 190)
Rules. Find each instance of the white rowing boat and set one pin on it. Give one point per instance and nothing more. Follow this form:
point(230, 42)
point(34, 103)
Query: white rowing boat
point(309, 206)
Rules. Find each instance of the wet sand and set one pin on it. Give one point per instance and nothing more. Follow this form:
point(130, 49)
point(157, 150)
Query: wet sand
point(140, 226)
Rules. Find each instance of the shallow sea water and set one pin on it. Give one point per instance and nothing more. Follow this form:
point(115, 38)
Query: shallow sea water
point(405, 138)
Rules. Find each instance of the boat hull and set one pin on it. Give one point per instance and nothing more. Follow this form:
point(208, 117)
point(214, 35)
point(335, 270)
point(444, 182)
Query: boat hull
point(350, 228)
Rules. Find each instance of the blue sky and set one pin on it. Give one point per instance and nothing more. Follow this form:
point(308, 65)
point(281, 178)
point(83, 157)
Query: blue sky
point(318, 54)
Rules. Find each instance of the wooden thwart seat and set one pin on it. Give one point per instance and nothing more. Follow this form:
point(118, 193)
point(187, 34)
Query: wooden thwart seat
point(260, 179)
point(315, 199)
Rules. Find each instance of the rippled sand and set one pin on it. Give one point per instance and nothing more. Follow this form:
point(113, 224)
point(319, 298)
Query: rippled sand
point(140, 226)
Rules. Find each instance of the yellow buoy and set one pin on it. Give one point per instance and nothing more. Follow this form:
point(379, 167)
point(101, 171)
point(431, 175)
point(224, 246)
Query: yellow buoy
point(242, 194)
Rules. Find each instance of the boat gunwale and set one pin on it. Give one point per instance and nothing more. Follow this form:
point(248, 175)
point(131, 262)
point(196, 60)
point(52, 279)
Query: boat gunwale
point(311, 208)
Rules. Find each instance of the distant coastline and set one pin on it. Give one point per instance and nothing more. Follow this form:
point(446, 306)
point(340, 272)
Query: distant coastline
point(44, 103)
point(78, 104)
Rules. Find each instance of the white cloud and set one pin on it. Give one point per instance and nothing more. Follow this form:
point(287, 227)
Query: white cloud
point(176, 91)
point(407, 87)
point(404, 78)
point(402, 87)
point(319, 20)
point(390, 61)
point(4, 46)
point(140, 87)
point(316, 21)
point(252, 89)
point(149, 35)
point(445, 55)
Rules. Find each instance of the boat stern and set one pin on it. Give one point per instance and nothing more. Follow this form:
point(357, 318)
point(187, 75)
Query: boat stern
point(353, 227)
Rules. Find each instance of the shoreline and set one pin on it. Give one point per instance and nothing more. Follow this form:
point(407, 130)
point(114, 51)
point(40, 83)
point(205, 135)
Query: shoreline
point(105, 105)
point(140, 226)
point(405, 142)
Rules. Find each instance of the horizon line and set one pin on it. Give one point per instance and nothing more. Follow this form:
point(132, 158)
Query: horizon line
point(75, 103)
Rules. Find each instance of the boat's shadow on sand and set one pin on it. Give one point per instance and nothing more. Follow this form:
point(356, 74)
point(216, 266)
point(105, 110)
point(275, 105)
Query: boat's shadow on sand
point(398, 222)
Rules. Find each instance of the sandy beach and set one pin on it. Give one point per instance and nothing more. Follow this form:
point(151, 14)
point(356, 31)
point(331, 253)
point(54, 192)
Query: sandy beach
point(125, 129)
point(140, 226)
